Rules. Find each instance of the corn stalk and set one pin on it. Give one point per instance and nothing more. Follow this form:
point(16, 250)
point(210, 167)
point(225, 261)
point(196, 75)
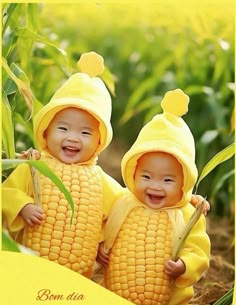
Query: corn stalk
point(188, 227)
point(35, 178)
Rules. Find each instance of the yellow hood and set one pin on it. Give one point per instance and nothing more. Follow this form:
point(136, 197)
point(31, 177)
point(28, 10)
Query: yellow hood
point(84, 91)
point(168, 133)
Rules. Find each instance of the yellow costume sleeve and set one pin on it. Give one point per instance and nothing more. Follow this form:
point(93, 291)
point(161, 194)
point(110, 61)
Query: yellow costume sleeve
point(112, 190)
point(17, 192)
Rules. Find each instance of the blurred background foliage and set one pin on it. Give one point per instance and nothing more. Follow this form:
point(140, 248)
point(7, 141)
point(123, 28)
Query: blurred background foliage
point(149, 47)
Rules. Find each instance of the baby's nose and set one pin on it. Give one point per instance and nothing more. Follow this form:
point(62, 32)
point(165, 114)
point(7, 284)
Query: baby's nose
point(156, 185)
point(73, 138)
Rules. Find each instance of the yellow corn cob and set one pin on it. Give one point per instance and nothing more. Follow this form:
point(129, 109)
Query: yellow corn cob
point(136, 263)
point(71, 245)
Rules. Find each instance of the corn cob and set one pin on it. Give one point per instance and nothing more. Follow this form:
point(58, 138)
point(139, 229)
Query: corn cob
point(136, 263)
point(71, 245)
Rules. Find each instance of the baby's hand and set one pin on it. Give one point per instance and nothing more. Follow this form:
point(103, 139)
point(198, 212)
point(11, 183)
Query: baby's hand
point(102, 256)
point(32, 214)
point(174, 269)
point(198, 198)
point(26, 154)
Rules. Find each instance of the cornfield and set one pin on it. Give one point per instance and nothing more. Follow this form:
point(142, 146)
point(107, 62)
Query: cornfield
point(148, 50)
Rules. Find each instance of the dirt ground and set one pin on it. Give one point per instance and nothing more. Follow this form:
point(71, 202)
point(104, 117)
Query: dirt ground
point(219, 278)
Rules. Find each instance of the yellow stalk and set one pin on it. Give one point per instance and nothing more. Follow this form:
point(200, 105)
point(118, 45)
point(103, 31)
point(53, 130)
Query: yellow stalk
point(35, 178)
point(192, 221)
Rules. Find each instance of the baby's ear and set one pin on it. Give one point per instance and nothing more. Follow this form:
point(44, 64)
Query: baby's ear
point(45, 134)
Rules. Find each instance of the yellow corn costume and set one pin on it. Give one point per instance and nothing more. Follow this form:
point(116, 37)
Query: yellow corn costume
point(140, 239)
point(92, 190)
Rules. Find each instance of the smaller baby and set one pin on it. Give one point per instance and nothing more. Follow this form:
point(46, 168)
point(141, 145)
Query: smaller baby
point(143, 226)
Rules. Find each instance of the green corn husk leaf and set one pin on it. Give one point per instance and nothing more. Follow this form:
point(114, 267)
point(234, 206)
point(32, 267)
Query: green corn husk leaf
point(25, 33)
point(192, 221)
point(220, 183)
point(227, 299)
point(8, 244)
point(222, 156)
point(22, 86)
point(7, 128)
point(7, 14)
point(22, 82)
point(46, 171)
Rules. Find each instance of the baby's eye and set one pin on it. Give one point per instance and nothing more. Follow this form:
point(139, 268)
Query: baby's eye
point(62, 128)
point(146, 177)
point(86, 133)
point(168, 180)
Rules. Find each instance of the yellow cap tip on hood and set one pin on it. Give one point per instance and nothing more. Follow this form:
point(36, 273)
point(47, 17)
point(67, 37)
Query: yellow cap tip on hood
point(175, 102)
point(91, 63)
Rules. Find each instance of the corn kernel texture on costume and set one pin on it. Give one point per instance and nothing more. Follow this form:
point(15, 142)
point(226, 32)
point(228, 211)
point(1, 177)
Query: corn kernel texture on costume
point(92, 190)
point(140, 239)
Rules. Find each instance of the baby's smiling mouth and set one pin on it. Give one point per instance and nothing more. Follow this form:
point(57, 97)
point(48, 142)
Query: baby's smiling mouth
point(155, 198)
point(70, 149)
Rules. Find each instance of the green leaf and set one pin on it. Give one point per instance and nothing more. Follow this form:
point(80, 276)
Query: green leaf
point(137, 96)
point(33, 16)
point(7, 128)
point(10, 163)
point(108, 78)
point(36, 105)
point(9, 86)
point(8, 244)
point(20, 73)
point(18, 119)
point(13, 72)
point(222, 156)
point(220, 183)
point(23, 84)
point(28, 34)
point(7, 15)
point(147, 85)
point(46, 171)
point(226, 299)
point(152, 103)
point(25, 45)
point(9, 41)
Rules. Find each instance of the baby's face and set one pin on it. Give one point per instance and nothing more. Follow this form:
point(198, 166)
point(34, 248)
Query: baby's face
point(73, 136)
point(158, 180)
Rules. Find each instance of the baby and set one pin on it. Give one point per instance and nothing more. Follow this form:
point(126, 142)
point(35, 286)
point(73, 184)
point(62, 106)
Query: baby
point(144, 225)
point(71, 131)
